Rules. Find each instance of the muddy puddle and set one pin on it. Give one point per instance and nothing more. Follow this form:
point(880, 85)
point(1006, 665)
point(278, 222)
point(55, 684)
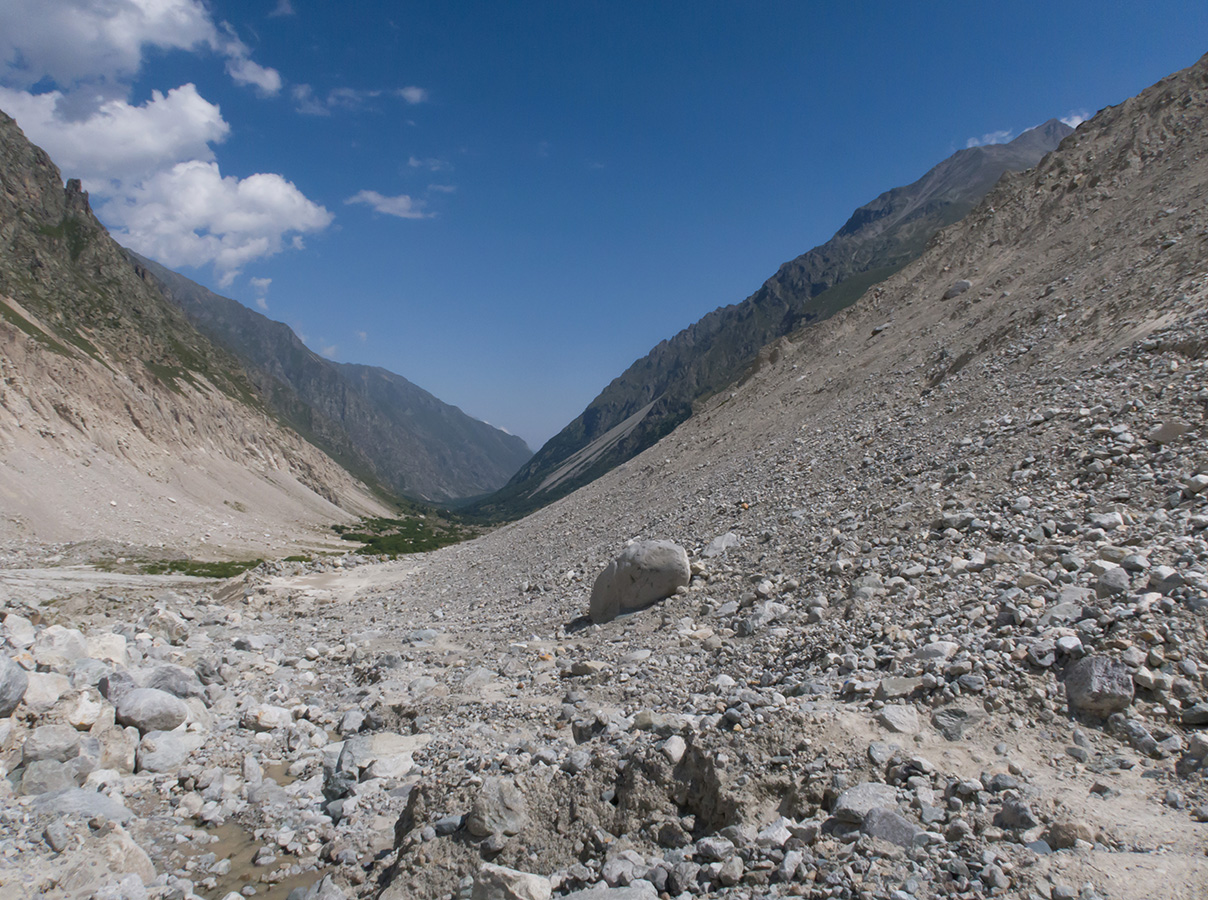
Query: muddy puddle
point(239, 848)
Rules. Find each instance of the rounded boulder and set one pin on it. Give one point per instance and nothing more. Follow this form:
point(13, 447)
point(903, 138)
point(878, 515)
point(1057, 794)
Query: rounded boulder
point(149, 709)
point(644, 573)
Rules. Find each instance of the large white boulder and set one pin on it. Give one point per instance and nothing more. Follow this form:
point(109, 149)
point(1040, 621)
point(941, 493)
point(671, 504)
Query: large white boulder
point(644, 573)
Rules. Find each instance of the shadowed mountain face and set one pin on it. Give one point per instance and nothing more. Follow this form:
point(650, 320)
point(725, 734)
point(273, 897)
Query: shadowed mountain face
point(377, 424)
point(657, 392)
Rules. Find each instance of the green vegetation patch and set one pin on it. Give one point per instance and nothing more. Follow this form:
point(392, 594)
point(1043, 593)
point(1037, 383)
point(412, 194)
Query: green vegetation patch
point(395, 537)
point(200, 569)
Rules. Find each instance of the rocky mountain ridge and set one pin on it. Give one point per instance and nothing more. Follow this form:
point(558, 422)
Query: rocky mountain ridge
point(376, 423)
point(659, 391)
point(112, 404)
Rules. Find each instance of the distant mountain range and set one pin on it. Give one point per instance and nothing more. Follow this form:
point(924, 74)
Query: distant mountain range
point(658, 392)
point(377, 424)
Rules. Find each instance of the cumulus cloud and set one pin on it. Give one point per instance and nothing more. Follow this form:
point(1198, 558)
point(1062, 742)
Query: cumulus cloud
point(991, 137)
point(119, 142)
point(97, 46)
point(83, 40)
point(151, 166)
point(362, 336)
point(283, 8)
point(191, 215)
point(403, 205)
point(413, 94)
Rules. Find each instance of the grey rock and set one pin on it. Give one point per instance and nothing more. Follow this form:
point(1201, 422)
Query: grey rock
point(1099, 686)
point(1017, 815)
point(1164, 579)
point(167, 751)
point(57, 742)
point(46, 775)
point(952, 721)
point(720, 544)
point(887, 825)
point(175, 680)
point(644, 573)
point(958, 288)
point(493, 882)
point(1196, 715)
point(638, 890)
point(150, 709)
point(83, 803)
point(856, 802)
point(499, 808)
point(1113, 582)
point(13, 682)
point(900, 719)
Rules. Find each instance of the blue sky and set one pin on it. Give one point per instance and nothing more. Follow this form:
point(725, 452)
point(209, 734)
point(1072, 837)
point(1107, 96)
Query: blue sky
point(508, 203)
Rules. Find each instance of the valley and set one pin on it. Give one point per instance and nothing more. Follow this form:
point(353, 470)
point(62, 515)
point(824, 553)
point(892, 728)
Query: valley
point(943, 633)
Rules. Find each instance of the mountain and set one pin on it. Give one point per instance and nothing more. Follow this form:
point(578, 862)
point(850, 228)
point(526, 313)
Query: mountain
point(659, 391)
point(112, 405)
point(377, 424)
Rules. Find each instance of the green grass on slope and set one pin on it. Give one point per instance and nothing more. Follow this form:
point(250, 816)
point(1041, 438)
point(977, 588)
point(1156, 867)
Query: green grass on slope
point(395, 537)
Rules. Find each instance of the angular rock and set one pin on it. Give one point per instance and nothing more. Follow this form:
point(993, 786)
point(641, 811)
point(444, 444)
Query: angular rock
point(83, 803)
point(856, 802)
point(56, 647)
point(900, 719)
point(167, 751)
point(45, 775)
point(493, 882)
point(952, 721)
point(887, 825)
point(13, 684)
point(644, 573)
point(499, 808)
point(1099, 686)
point(720, 544)
point(44, 689)
point(57, 742)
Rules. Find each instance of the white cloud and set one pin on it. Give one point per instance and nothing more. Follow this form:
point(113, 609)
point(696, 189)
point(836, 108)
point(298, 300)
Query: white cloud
point(991, 137)
point(403, 206)
point(312, 104)
point(260, 286)
point(244, 71)
point(431, 164)
point(283, 8)
point(328, 350)
point(1076, 117)
point(97, 46)
point(191, 215)
point(120, 142)
point(71, 41)
point(362, 336)
point(443, 188)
